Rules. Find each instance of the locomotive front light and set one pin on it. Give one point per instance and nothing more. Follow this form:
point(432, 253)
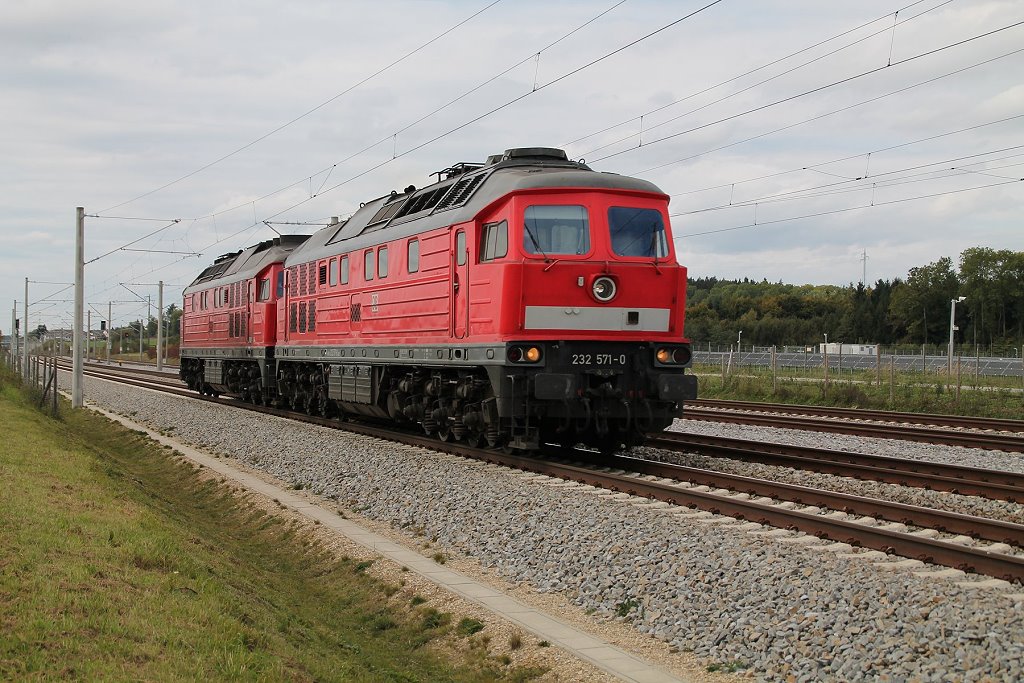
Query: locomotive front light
point(681, 355)
point(664, 356)
point(515, 354)
point(533, 354)
point(604, 289)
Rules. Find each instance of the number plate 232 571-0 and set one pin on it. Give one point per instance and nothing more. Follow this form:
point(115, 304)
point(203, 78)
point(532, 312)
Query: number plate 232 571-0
point(599, 359)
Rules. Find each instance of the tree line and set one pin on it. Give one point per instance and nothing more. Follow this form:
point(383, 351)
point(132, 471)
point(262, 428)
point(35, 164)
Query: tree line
point(902, 311)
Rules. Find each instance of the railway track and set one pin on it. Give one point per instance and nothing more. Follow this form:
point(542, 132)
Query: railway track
point(962, 421)
point(988, 483)
point(882, 525)
point(1003, 441)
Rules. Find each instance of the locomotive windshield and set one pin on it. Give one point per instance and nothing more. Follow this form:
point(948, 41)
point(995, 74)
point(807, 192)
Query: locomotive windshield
point(637, 232)
point(559, 230)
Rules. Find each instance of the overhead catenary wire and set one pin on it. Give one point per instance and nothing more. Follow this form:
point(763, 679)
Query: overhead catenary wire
point(329, 170)
point(307, 113)
point(507, 104)
point(749, 87)
point(818, 117)
point(843, 210)
point(875, 184)
point(847, 158)
point(812, 91)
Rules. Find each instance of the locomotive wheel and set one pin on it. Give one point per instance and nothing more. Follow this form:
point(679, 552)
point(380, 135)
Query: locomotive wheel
point(444, 432)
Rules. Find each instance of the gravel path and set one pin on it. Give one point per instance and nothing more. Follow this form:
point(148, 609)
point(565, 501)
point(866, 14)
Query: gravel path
point(776, 610)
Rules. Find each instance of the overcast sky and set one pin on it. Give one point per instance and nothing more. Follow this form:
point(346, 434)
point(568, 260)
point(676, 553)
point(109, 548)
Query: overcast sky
point(110, 105)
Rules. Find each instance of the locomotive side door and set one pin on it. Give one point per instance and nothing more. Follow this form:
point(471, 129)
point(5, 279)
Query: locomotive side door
point(249, 303)
point(460, 285)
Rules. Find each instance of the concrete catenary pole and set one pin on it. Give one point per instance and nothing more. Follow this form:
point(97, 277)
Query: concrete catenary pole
point(76, 376)
point(88, 335)
point(160, 328)
point(110, 328)
point(24, 331)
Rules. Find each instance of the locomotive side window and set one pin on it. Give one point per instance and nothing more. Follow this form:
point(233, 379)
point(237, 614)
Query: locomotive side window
point(344, 270)
point(414, 256)
point(264, 294)
point(382, 262)
point(494, 241)
point(460, 247)
point(637, 232)
point(334, 272)
point(280, 284)
point(368, 265)
point(556, 230)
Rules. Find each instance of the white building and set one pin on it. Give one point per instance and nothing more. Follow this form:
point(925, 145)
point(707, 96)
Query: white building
point(834, 349)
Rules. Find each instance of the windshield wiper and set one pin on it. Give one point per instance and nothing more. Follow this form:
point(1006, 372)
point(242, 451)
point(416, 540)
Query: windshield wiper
point(533, 238)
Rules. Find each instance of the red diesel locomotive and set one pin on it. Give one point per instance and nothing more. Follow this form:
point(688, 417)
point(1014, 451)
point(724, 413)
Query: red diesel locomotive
point(523, 301)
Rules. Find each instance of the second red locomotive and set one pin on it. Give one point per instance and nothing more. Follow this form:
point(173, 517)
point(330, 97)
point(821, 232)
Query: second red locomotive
point(517, 302)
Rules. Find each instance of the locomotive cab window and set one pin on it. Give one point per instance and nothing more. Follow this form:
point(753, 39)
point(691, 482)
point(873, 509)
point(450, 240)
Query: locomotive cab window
point(334, 272)
point(637, 232)
point(562, 230)
point(368, 265)
point(264, 294)
point(494, 241)
point(382, 262)
point(414, 256)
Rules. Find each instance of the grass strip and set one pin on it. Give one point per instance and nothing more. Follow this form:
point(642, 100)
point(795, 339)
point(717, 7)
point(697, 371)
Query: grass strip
point(120, 562)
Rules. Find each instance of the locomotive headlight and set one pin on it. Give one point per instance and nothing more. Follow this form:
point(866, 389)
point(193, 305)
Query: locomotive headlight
point(533, 354)
point(604, 289)
point(681, 355)
point(515, 354)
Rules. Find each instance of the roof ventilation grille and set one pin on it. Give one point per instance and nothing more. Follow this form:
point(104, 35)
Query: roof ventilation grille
point(460, 193)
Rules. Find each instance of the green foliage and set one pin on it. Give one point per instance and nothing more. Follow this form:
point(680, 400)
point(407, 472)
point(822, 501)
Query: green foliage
point(914, 311)
point(468, 626)
point(140, 569)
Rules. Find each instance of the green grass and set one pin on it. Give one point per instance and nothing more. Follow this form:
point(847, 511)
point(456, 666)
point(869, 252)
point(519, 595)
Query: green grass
point(912, 392)
point(117, 562)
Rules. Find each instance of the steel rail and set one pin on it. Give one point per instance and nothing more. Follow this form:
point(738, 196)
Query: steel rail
point(996, 441)
point(981, 423)
point(969, 481)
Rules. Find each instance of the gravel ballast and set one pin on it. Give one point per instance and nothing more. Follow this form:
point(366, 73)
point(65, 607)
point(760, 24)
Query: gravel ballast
point(746, 601)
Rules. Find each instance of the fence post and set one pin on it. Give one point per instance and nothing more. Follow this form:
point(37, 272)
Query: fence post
point(878, 365)
point(775, 377)
point(892, 378)
point(824, 363)
point(958, 380)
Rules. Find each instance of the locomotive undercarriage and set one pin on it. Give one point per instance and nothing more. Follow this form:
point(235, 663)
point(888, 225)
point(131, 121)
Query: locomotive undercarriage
point(601, 395)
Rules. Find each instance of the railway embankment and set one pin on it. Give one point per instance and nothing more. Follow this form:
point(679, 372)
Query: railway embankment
point(119, 560)
point(741, 596)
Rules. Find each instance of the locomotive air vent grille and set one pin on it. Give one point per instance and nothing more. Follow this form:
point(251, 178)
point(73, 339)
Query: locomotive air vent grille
point(312, 278)
point(389, 209)
point(426, 200)
point(460, 193)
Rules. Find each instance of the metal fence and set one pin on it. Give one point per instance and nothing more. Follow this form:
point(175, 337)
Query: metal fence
point(969, 365)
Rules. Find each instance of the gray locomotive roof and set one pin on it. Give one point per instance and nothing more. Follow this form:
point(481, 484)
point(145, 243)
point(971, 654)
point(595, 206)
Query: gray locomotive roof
point(517, 169)
point(244, 264)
